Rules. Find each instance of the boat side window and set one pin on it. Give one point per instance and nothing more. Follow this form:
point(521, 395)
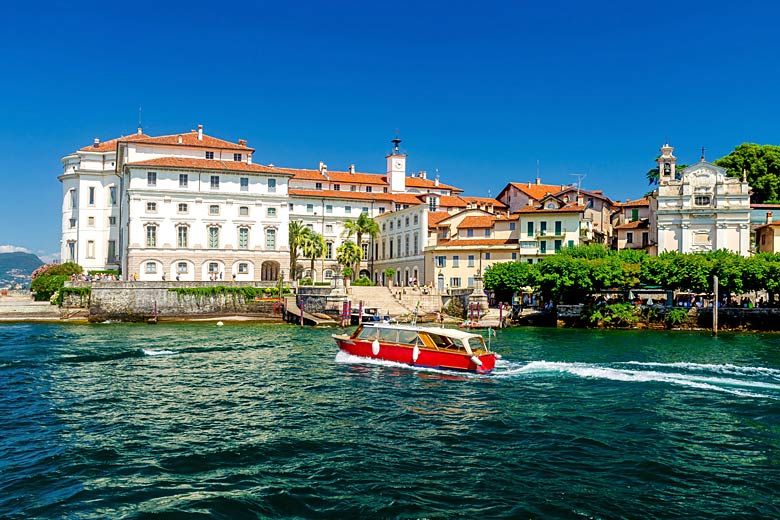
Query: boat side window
point(477, 344)
point(441, 341)
point(367, 333)
point(407, 337)
point(388, 335)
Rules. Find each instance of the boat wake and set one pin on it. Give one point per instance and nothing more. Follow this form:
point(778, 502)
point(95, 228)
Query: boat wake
point(343, 357)
point(150, 352)
point(732, 379)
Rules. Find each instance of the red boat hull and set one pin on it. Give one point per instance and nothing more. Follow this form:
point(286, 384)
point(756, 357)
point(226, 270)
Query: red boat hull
point(427, 358)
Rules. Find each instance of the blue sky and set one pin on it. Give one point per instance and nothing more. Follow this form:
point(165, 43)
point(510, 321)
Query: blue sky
point(480, 91)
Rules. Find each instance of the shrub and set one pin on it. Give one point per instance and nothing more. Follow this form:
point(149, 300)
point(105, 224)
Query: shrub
point(676, 317)
point(618, 315)
point(45, 285)
point(363, 281)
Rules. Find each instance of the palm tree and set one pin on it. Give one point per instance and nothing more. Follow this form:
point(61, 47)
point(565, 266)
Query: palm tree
point(348, 254)
point(312, 246)
point(364, 225)
point(296, 231)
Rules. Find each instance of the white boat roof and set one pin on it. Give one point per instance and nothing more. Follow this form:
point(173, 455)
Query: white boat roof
point(451, 333)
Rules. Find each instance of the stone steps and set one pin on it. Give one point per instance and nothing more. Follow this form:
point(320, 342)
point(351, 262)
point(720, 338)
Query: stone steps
point(379, 297)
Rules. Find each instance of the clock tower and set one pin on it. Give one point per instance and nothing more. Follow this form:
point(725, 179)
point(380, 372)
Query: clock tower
point(396, 168)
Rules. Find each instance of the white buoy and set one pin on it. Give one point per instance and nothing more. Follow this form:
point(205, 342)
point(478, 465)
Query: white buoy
point(476, 361)
point(219, 324)
point(375, 347)
point(415, 353)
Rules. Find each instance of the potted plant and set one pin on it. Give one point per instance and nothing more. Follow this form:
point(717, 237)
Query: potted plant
point(389, 276)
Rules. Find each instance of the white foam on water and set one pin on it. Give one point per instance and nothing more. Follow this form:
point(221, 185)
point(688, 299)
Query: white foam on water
point(593, 371)
point(721, 369)
point(150, 352)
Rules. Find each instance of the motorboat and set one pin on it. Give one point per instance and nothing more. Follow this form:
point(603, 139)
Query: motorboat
point(430, 347)
point(369, 315)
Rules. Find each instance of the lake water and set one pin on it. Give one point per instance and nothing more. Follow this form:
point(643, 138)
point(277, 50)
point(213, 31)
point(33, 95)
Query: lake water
point(248, 421)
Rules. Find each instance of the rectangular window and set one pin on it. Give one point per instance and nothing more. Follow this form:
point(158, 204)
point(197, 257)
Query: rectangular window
point(72, 251)
point(471, 261)
point(557, 227)
point(530, 229)
point(237, 157)
point(214, 209)
point(353, 188)
point(271, 185)
point(270, 239)
point(309, 208)
point(317, 185)
point(348, 210)
point(243, 268)
point(183, 208)
point(112, 195)
point(181, 267)
point(543, 227)
point(369, 189)
point(90, 249)
point(328, 228)
point(151, 236)
point(213, 267)
point(454, 282)
point(337, 187)
point(570, 243)
point(243, 211)
point(181, 236)
point(291, 207)
point(244, 181)
point(111, 255)
point(271, 212)
point(487, 256)
point(328, 208)
point(470, 282)
point(558, 244)
point(328, 250)
point(455, 260)
point(629, 238)
point(213, 237)
point(209, 155)
point(243, 238)
point(634, 214)
point(364, 210)
point(72, 198)
point(645, 239)
point(469, 232)
point(543, 246)
point(514, 256)
point(151, 178)
point(184, 180)
point(112, 221)
point(72, 223)
point(511, 226)
point(91, 195)
point(91, 221)
point(215, 182)
point(441, 261)
point(151, 207)
point(487, 232)
point(151, 267)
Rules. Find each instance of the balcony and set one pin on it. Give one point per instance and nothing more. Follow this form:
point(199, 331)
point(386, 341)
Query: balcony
point(544, 235)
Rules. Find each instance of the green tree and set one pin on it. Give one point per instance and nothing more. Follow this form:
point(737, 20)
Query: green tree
point(362, 226)
point(349, 254)
point(762, 165)
point(312, 246)
point(50, 278)
point(564, 278)
point(509, 276)
point(296, 230)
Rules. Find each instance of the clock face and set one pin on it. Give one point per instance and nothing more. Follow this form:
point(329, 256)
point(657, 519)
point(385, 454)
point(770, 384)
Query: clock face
point(398, 164)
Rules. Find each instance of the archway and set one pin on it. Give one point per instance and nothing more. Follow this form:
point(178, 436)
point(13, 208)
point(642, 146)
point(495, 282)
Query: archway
point(269, 271)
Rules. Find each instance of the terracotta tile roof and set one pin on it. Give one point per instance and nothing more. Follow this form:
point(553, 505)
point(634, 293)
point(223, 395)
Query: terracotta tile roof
point(448, 201)
point(564, 209)
point(110, 146)
point(333, 194)
point(434, 217)
point(537, 191)
point(634, 203)
point(497, 204)
point(205, 164)
point(405, 198)
point(477, 221)
point(477, 242)
point(637, 224)
point(338, 177)
point(191, 139)
point(418, 182)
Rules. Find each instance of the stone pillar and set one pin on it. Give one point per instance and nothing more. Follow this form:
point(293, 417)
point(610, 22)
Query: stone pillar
point(478, 295)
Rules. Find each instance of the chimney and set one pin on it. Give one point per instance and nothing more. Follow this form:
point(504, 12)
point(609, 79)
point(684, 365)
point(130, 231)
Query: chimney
point(140, 131)
point(97, 142)
point(436, 181)
point(242, 142)
point(580, 200)
point(200, 132)
point(538, 180)
point(351, 168)
point(249, 158)
point(768, 217)
point(324, 169)
point(179, 140)
point(530, 202)
point(529, 184)
point(424, 175)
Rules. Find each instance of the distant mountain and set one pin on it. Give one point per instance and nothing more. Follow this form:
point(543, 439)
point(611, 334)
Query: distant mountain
point(16, 268)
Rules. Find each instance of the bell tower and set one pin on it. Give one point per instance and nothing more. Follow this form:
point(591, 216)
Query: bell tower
point(396, 168)
point(667, 164)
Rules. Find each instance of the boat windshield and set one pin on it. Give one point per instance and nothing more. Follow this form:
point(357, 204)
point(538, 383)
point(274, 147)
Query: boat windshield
point(445, 342)
point(477, 343)
point(367, 333)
